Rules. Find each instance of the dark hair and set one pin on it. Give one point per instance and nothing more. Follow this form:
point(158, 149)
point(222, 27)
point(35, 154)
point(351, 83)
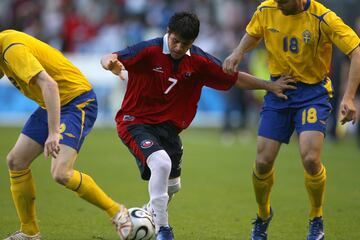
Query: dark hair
point(185, 24)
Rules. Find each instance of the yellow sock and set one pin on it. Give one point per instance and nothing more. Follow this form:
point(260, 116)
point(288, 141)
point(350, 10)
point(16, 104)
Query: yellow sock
point(22, 188)
point(87, 189)
point(315, 185)
point(262, 186)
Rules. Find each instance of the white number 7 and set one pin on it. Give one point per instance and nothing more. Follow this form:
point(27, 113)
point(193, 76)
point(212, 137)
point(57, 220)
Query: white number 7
point(174, 81)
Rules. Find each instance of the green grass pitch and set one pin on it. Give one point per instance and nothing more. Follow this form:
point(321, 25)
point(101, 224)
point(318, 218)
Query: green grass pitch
point(216, 201)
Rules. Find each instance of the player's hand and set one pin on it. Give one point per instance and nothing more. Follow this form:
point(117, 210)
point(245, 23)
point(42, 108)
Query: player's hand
point(231, 63)
point(116, 67)
point(111, 63)
point(282, 84)
point(52, 146)
point(347, 111)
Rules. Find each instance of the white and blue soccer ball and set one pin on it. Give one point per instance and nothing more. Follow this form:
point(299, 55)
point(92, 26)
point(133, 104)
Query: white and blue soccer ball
point(143, 224)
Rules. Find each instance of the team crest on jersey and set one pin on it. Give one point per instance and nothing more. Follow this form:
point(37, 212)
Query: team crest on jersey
point(146, 143)
point(306, 36)
point(187, 74)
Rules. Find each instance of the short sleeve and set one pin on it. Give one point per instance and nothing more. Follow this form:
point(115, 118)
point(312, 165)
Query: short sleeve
point(254, 28)
point(339, 33)
point(21, 62)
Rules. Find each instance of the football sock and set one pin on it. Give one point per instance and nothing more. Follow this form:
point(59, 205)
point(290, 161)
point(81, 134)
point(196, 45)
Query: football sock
point(174, 186)
point(22, 188)
point(87, 189)
point(159, 163)
point(315, 185)
point(262, 186)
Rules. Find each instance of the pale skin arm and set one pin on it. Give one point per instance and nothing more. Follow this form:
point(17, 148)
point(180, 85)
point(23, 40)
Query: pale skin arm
point(347, 106)
point(110, 62)
point(247, 81)
point(246, 44)
point(50, 92)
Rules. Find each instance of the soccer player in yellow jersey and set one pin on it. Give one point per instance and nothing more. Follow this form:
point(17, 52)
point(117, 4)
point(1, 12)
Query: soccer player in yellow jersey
point(298, 35)
point(67, 112)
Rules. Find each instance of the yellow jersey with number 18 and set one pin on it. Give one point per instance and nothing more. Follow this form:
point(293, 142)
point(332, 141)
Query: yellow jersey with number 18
point(301, 45)
point(23, 57)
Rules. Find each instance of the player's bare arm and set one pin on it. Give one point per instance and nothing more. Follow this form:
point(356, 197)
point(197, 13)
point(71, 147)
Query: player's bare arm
point(50, 92)
point(246, 44)
point(347, 107)
point(247, 81)
point(110, 62)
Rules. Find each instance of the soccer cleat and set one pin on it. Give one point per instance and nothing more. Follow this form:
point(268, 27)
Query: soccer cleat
point(123, 223)
point(18, 235)
point(165, 233)
point(259, 231)
point(316, 229)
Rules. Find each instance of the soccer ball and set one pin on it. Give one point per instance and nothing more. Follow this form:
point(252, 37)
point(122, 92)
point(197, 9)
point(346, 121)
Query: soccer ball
point(143, 224)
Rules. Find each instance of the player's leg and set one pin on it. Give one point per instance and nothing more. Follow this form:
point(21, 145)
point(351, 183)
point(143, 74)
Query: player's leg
point(263, 180)
point(27, 148)
point(159, 164)
point(155, 166)
point(22, 184)
point(263, 174)
point(62, 171)
point(77, 120)
point(275, 128)
point(311, 127)
point(311, 143)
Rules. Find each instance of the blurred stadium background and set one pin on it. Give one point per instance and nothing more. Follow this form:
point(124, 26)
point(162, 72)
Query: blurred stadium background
point(86, 29)
point(223, 133)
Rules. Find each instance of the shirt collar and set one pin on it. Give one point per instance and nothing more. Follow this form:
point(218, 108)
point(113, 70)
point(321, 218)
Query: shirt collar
point(166, 46)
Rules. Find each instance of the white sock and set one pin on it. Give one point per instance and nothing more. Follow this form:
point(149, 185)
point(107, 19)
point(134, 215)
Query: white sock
point(174, 186)
point(159, 163)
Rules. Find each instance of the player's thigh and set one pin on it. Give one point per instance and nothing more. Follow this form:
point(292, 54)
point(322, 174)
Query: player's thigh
point(23, 153)
point(267, 150)
point(310, 123)
point(62, 166)
point(311, 144)
point(142, 140)
point(173, 146)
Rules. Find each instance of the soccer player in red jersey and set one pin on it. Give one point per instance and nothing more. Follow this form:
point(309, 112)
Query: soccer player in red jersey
point(165, 78)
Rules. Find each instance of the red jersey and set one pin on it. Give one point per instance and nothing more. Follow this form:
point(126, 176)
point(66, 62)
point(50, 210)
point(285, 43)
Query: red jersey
point(161, 89)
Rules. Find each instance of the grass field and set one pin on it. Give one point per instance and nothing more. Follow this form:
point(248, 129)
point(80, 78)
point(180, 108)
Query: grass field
point(216, 201)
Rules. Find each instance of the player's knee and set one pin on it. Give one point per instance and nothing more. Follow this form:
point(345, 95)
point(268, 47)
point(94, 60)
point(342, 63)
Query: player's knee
point(311, 157)
point(15, 163)
point(61, 176)
point(174, 186)
point(264, 165)
point(159, 161)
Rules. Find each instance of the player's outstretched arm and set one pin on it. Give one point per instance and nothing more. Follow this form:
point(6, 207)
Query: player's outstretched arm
point(347, 106)
point(247, 81)
point(110, 62)
point(246, 44)
point(50, 92)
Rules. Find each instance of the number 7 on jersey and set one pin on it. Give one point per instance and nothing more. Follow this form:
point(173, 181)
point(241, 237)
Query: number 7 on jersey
point(174, 81)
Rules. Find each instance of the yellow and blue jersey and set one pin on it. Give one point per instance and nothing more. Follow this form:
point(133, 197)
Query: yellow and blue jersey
point(301, 45)
point(23, 57)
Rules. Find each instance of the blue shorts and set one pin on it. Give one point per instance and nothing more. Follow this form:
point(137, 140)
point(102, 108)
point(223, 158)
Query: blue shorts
point(307, 109)
point(77, 119)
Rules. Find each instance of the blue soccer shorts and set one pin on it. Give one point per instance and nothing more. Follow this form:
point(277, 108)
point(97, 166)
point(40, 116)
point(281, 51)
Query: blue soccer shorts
point(307, 109)
point(76, 121)
point(143, 139)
